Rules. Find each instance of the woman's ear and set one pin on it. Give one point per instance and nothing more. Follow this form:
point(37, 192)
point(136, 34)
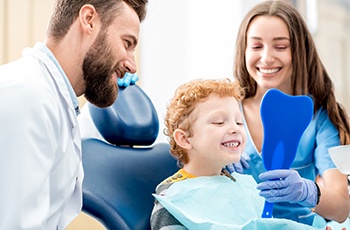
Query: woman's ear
point(181, 139)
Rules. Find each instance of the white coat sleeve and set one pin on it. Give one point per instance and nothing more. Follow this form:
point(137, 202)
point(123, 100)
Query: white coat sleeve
point(29, 129)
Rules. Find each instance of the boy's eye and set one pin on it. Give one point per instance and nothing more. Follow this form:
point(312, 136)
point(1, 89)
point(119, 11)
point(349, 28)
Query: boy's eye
point(218, 122)
point(239, 123)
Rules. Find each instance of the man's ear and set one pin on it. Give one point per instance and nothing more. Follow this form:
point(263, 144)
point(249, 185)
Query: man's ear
point(181, 139)
point(88, 18)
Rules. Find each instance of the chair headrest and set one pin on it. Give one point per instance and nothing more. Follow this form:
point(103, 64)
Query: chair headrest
point(131, 120)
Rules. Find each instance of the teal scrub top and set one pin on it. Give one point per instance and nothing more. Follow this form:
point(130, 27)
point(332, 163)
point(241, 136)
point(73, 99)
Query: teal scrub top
point(312, 158)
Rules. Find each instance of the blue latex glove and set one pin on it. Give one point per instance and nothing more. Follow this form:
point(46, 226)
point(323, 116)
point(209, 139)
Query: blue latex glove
point(287, 186)
point(128, 79)
point(239, 166)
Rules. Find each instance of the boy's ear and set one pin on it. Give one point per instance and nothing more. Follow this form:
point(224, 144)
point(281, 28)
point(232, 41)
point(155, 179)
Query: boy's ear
point(181, 139)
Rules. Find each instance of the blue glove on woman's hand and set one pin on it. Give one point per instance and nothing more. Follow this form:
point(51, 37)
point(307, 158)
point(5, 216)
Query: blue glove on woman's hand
point(287, 186)
point(128, 79)
point(242, 164)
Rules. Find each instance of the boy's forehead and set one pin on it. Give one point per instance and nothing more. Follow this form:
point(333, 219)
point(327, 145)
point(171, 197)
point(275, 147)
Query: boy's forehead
point(214, 102)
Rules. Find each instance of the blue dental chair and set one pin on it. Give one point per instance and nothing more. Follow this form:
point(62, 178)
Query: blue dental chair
point(122, 172)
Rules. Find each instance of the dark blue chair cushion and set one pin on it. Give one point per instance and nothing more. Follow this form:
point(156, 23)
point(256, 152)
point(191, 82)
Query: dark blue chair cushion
point(119, 182)
point(122, 174)
point(131, 120)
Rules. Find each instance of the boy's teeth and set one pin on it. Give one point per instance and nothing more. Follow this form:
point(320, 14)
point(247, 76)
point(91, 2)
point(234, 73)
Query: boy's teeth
point(231, 144)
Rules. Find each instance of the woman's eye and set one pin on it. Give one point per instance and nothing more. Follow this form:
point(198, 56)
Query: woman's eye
point(255, 47)
point(281, 47)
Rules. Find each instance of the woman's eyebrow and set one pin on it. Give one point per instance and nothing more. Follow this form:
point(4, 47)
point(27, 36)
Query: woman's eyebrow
point(281, 38)
point(275, 39)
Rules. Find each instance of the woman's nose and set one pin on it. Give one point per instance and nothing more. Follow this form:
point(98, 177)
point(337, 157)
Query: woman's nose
point(267, 56)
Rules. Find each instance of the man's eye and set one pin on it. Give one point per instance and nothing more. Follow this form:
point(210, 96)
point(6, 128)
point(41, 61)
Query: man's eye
point(128, 43)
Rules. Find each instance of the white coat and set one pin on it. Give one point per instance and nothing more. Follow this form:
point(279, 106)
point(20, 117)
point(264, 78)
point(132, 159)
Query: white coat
point(40, 148)
point(87, 126)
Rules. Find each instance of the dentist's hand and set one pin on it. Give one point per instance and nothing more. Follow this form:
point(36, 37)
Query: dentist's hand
point(128, 79)
point(287, 186)
point(239, 166)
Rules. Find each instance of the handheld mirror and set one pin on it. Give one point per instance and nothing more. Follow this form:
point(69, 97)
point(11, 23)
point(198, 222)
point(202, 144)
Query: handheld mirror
point(284, 120)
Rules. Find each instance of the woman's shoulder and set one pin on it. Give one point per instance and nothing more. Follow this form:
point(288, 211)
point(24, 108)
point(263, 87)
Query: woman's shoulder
point(322, 120)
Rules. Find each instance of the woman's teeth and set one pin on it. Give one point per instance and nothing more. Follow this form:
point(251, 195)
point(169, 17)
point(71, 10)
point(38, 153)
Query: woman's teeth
point(268, 71)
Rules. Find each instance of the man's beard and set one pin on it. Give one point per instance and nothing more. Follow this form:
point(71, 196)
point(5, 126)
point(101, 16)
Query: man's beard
point(100, 88)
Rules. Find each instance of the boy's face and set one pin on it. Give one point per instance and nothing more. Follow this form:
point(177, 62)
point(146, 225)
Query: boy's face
point(218, 133)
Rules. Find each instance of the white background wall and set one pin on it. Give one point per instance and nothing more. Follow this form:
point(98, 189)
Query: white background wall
point(186, 39)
